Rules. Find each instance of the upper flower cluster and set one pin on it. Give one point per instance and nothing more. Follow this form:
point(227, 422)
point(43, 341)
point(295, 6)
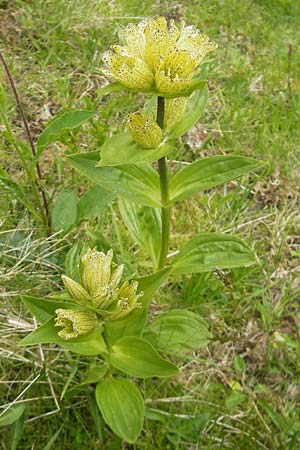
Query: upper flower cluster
point(157, 56)
point(100, 291)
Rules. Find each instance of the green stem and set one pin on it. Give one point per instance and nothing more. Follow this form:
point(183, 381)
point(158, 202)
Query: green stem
point(106, 339)
point(164, 191)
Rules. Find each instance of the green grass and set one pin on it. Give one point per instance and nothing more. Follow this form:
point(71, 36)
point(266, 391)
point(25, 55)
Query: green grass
point(54, 52)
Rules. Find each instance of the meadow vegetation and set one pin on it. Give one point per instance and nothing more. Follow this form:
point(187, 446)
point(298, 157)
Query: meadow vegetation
point(243, 390)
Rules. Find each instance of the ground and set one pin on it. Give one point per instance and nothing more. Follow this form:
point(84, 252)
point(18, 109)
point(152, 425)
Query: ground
point(243, 390)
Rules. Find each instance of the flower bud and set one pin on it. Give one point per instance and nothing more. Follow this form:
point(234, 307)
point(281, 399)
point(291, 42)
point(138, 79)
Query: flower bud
point(96, 270)
point(144, 130)
point(75, 322)
point(75, 290)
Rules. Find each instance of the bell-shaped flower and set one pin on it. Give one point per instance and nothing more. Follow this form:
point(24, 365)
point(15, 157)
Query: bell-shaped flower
point(126, 301)
point(144, 130)
point(74, 322)
point(132, 72)
point(96, 270)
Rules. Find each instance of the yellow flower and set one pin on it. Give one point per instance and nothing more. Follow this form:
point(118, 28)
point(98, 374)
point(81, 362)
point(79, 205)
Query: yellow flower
point(131, 72)
point(144, 130)
point(159, 40)
point(74, 322)
point(126, 300)
point(96, 270)
point(100, 289)
point(174, 111)
point(157, 56)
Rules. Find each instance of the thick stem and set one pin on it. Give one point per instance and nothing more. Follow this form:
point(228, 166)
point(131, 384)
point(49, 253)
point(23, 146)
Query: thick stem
point(44, 213)
point(164, 190)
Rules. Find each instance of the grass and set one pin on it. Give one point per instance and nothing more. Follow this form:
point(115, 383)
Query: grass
point(242, 392)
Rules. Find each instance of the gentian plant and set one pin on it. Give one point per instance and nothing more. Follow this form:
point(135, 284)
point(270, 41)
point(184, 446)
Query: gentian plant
point(102, 314)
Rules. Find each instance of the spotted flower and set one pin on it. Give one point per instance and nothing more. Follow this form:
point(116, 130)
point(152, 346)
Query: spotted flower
point(100, 290)
point(174, 111)
point(74, 323)
point(144, 130)
point(157, 56)
point(126, 300)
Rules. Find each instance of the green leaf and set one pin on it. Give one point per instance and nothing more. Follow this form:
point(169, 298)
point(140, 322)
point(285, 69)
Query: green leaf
point(239, 364)
point(209, 250)
point(94, 202)
point(99, 240)
point(134, 323)
point(207, 173)
point(64, 212)
point(16, 190)
point(42, 308)
point(151, 283)
point(73, 259)
point(45, 334)
point(53, 439)
point(116, 86)
point(194, 111)
point(111, 87)
point(178, 331)
point(139, 184)
point(88, 344)
point(144, 225)
point(16, 431)
point(131, 325)
point(235, 399)
point(66, 121)
point(121, 149)
point(136, 357)
point(68, 381)
point(155, 414)
point(122, 407)
point(92, 347)
point(276, 418)
point(12, 414)
point(95, 373)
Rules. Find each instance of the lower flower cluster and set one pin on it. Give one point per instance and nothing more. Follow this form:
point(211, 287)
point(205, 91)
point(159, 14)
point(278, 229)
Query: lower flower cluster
point(100, 296)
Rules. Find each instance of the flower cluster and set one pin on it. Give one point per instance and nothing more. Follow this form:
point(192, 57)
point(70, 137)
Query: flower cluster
point(100, 294)
point(145, 131)
point(157, 57)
